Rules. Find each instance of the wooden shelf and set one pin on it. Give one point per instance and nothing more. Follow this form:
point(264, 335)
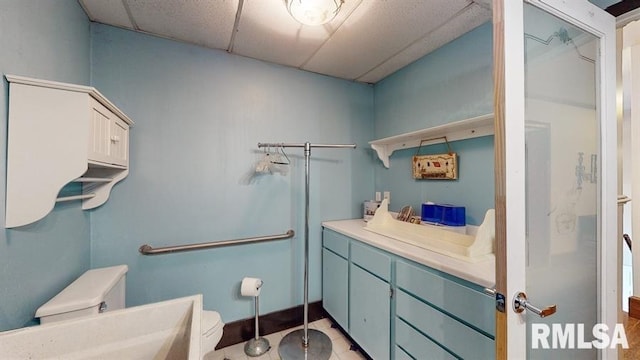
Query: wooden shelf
point(459, 130)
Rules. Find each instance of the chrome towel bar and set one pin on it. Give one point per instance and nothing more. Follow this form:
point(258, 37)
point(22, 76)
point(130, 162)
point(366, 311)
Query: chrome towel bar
point(149, 250)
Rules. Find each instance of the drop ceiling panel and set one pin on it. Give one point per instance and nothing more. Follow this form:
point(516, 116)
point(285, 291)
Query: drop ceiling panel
point(368, 40)
point(107, 12)
point(465, 21)
point(268, 32)
point(206, 23)
point(377, 31)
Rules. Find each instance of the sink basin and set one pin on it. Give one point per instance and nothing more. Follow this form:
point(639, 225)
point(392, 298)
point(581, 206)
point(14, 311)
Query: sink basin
point(163, 330)
point(461, 246)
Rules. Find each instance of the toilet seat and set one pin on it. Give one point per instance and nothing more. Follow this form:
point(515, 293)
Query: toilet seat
point(211, 324)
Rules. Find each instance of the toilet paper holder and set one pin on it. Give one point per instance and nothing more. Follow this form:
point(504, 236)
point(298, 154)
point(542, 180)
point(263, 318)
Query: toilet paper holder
point(250, 286)
point(258, 345)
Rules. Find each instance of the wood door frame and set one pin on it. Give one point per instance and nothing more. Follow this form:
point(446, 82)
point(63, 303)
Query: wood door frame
point(500, 178)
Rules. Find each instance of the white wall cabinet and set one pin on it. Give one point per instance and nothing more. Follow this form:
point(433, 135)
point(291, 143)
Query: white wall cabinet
point(59, 133)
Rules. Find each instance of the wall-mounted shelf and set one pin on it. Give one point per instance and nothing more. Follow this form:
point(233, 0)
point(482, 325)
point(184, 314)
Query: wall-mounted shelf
point(60, 133)
point(459, 130)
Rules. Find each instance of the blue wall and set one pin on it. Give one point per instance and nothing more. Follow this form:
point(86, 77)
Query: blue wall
point(452, 83)
point(199, 115)
point(47, 40)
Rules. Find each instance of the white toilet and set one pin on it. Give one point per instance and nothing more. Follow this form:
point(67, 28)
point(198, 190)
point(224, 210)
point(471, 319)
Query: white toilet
point(100, 290)
point(211, 331)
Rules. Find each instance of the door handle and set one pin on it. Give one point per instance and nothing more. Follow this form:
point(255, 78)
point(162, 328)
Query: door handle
point(520, 303)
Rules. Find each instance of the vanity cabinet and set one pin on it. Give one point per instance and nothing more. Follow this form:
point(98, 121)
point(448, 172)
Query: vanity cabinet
point(399, 309)
point(370, 300)
point(60, 133)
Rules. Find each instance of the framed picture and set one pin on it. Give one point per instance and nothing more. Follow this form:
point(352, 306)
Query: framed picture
point(438, 166)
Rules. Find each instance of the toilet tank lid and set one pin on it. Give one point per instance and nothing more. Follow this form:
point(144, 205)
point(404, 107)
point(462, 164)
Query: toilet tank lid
point(86, 291)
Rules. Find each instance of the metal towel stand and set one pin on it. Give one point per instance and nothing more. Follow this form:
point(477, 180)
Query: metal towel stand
point(305, 344)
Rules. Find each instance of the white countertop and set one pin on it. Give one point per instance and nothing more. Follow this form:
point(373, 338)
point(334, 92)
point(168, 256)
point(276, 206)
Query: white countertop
point(481, 273)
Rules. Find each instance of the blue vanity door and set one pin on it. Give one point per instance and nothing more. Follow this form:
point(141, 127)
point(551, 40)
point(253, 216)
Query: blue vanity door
point(335, 282)
point(369, 315)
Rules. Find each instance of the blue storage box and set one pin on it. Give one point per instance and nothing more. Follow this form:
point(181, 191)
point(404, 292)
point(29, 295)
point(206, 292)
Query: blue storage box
point(444, 214)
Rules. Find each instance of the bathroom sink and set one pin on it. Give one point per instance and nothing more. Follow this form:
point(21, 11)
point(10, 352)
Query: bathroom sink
point(461, 246)
point(163, 330)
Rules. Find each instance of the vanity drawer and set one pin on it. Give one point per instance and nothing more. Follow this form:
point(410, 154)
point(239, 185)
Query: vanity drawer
point(335, 242)
point(416, 345)
point(372, 260)
point(448, 332)
point(461, 301)
point(401, 354)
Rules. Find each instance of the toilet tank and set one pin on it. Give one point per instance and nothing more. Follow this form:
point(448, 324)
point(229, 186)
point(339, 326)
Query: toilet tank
point(96, 291)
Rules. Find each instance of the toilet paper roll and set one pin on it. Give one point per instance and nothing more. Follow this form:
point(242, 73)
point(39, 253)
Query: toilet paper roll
point(250, 286)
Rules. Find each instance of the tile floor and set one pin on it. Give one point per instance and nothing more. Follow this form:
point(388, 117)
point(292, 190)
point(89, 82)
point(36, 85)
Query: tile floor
point(341, 345)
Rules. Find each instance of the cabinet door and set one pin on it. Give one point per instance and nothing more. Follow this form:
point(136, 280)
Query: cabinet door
point(335, 282)
point(108, 136)
point(99, 132)
point(369, 313)
point(119, 142)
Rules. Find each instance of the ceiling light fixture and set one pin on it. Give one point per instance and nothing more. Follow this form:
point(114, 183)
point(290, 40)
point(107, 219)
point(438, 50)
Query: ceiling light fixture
point(314, 12)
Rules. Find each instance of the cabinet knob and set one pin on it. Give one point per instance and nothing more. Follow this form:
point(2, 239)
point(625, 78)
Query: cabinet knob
point(115, 138)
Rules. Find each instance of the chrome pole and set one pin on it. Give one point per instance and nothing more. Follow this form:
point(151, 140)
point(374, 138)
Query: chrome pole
point(307, 156)
point(257, 325)
point(315, 344)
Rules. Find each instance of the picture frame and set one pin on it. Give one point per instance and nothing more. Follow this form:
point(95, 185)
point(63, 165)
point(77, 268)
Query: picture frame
point(436, 166)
